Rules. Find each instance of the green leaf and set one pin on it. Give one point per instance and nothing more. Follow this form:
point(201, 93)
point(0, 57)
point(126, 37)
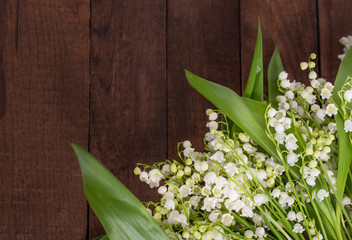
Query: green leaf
point(254, 86)
point(235, 108)
point(256, 106)
point(344, 156)
point(344, 161)
point(344, 71)
point(274, 69)
point(345, 151)
point(102, 238)
point(122, 215)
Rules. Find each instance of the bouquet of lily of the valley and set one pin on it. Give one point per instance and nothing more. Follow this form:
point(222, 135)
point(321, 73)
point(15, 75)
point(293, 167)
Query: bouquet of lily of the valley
point(272, 168)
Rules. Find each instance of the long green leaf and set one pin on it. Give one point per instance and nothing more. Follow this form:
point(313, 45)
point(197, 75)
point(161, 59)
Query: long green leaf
point(344, 71)
point(344, 158)
point(345, 151)
point(274, 69)
point(256, 106)
point(254, 87)
point(258, 109)
point(122, 215)
point(102, 238)
point(235, 108)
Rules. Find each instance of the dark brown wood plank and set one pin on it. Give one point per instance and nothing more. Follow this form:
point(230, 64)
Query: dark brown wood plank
point(334, 23)
point(291, 25)
point(44, 78)
point(128, 90)
point(203, 37)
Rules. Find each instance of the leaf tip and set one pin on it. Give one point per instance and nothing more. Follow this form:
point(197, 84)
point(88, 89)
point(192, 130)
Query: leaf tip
point(188, 73)
point(189, 76)
point(82, 155)
point(74, 146)
point(259, 27)
point(77, 148)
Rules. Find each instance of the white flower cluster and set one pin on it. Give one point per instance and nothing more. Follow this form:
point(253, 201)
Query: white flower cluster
point(207, 195)
point(347, 43)
point(235, 190)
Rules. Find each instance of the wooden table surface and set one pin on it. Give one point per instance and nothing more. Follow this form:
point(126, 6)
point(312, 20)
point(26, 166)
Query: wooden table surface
point(108, 75)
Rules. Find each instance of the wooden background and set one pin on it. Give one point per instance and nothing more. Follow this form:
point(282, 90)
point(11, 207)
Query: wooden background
point(108, 75)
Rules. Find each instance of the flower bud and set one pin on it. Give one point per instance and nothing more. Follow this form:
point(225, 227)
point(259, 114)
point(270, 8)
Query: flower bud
point(197, 235)
point(313, 164)
point(187, 171)
point(173, 168)
point(209, 111)
point(157, 216)
point(180, 174)
point(204, 166)
point(137, 171)
point(304, 94)
point(309, 151)
point(185, 235)
point(219, 134)
point(311, 64)
point(180, 167)
point(213, 116)
point(244, 137)
point(188, 161)
point(269, 170)
point(311, 224)
point(218, 145)
point(164, 211)
point(316, 154)
point(271, 182)
point(249, 234)
point(187, 144)
point(328, 142)
point(309, 89)
point(313, 56)
point(304, 65)
point(321, 142)
point(326, 149)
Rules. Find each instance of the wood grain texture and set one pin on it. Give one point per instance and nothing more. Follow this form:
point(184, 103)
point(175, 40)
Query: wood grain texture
point(203, 37)
point(334, 23)
point(44, 77)
point(128, 90)
point(291, 25)
point(138, 105)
